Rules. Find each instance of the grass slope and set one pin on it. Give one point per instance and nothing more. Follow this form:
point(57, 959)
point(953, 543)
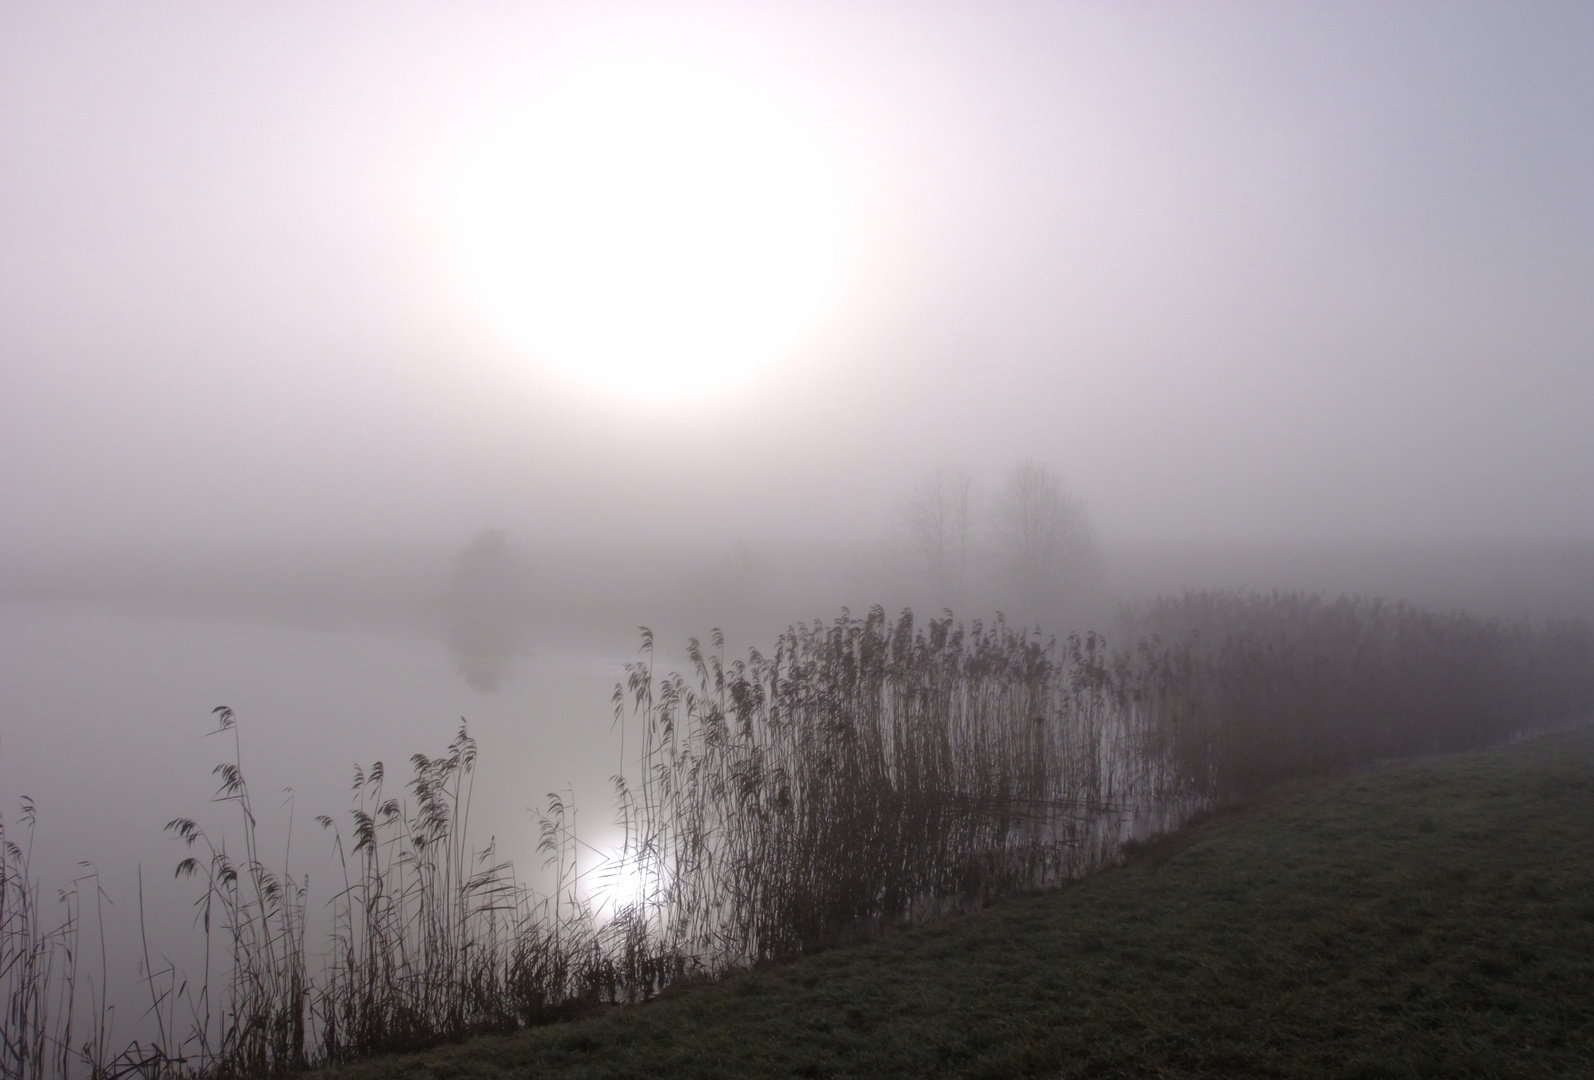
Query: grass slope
point(1431, 919)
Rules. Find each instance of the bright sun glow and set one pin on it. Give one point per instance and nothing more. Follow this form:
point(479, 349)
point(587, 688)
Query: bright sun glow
point(618, 884)
point(652, 230)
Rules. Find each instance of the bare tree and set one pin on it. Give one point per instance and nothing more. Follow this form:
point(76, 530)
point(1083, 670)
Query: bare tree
point(1046, 549)
point(939, 519)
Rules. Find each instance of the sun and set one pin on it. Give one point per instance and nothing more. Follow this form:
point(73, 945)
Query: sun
point(651, 230)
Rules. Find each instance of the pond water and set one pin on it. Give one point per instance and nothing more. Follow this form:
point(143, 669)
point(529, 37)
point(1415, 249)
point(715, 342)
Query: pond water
point(106, 724)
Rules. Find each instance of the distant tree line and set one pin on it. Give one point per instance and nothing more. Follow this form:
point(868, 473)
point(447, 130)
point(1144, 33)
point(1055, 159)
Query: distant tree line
point(1027, 548)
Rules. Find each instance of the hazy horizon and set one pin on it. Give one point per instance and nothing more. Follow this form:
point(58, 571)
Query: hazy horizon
point(1241, 274)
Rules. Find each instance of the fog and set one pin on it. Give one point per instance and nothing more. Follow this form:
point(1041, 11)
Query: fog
point(1241, 273)
point(1278, 296)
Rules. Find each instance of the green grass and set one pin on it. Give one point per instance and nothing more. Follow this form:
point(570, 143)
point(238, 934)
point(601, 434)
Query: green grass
point(1430, 919)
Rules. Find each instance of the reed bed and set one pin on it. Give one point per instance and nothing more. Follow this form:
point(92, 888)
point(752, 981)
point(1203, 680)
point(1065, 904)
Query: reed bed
point(869, 772)
point(56, 1008)
point(1256, 688)
point(432, 939)
point(864, 773)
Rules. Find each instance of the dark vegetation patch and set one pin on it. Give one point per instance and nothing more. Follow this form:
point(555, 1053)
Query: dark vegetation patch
point(1425, 920)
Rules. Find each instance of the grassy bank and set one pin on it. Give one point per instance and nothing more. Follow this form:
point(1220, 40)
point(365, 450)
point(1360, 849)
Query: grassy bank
point(1430, 919)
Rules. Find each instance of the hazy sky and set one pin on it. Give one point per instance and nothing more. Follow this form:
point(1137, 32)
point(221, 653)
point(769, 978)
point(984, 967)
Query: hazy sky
point(1238, 270)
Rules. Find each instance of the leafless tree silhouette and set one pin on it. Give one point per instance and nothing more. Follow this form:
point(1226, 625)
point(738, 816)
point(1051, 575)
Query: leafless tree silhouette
point(939, 516)
point(1046, 549)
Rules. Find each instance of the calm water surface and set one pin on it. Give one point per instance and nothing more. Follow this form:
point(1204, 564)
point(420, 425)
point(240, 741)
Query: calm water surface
point(104, 716)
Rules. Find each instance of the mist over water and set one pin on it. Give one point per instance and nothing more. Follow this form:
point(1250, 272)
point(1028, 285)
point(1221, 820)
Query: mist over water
point(110, 670)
